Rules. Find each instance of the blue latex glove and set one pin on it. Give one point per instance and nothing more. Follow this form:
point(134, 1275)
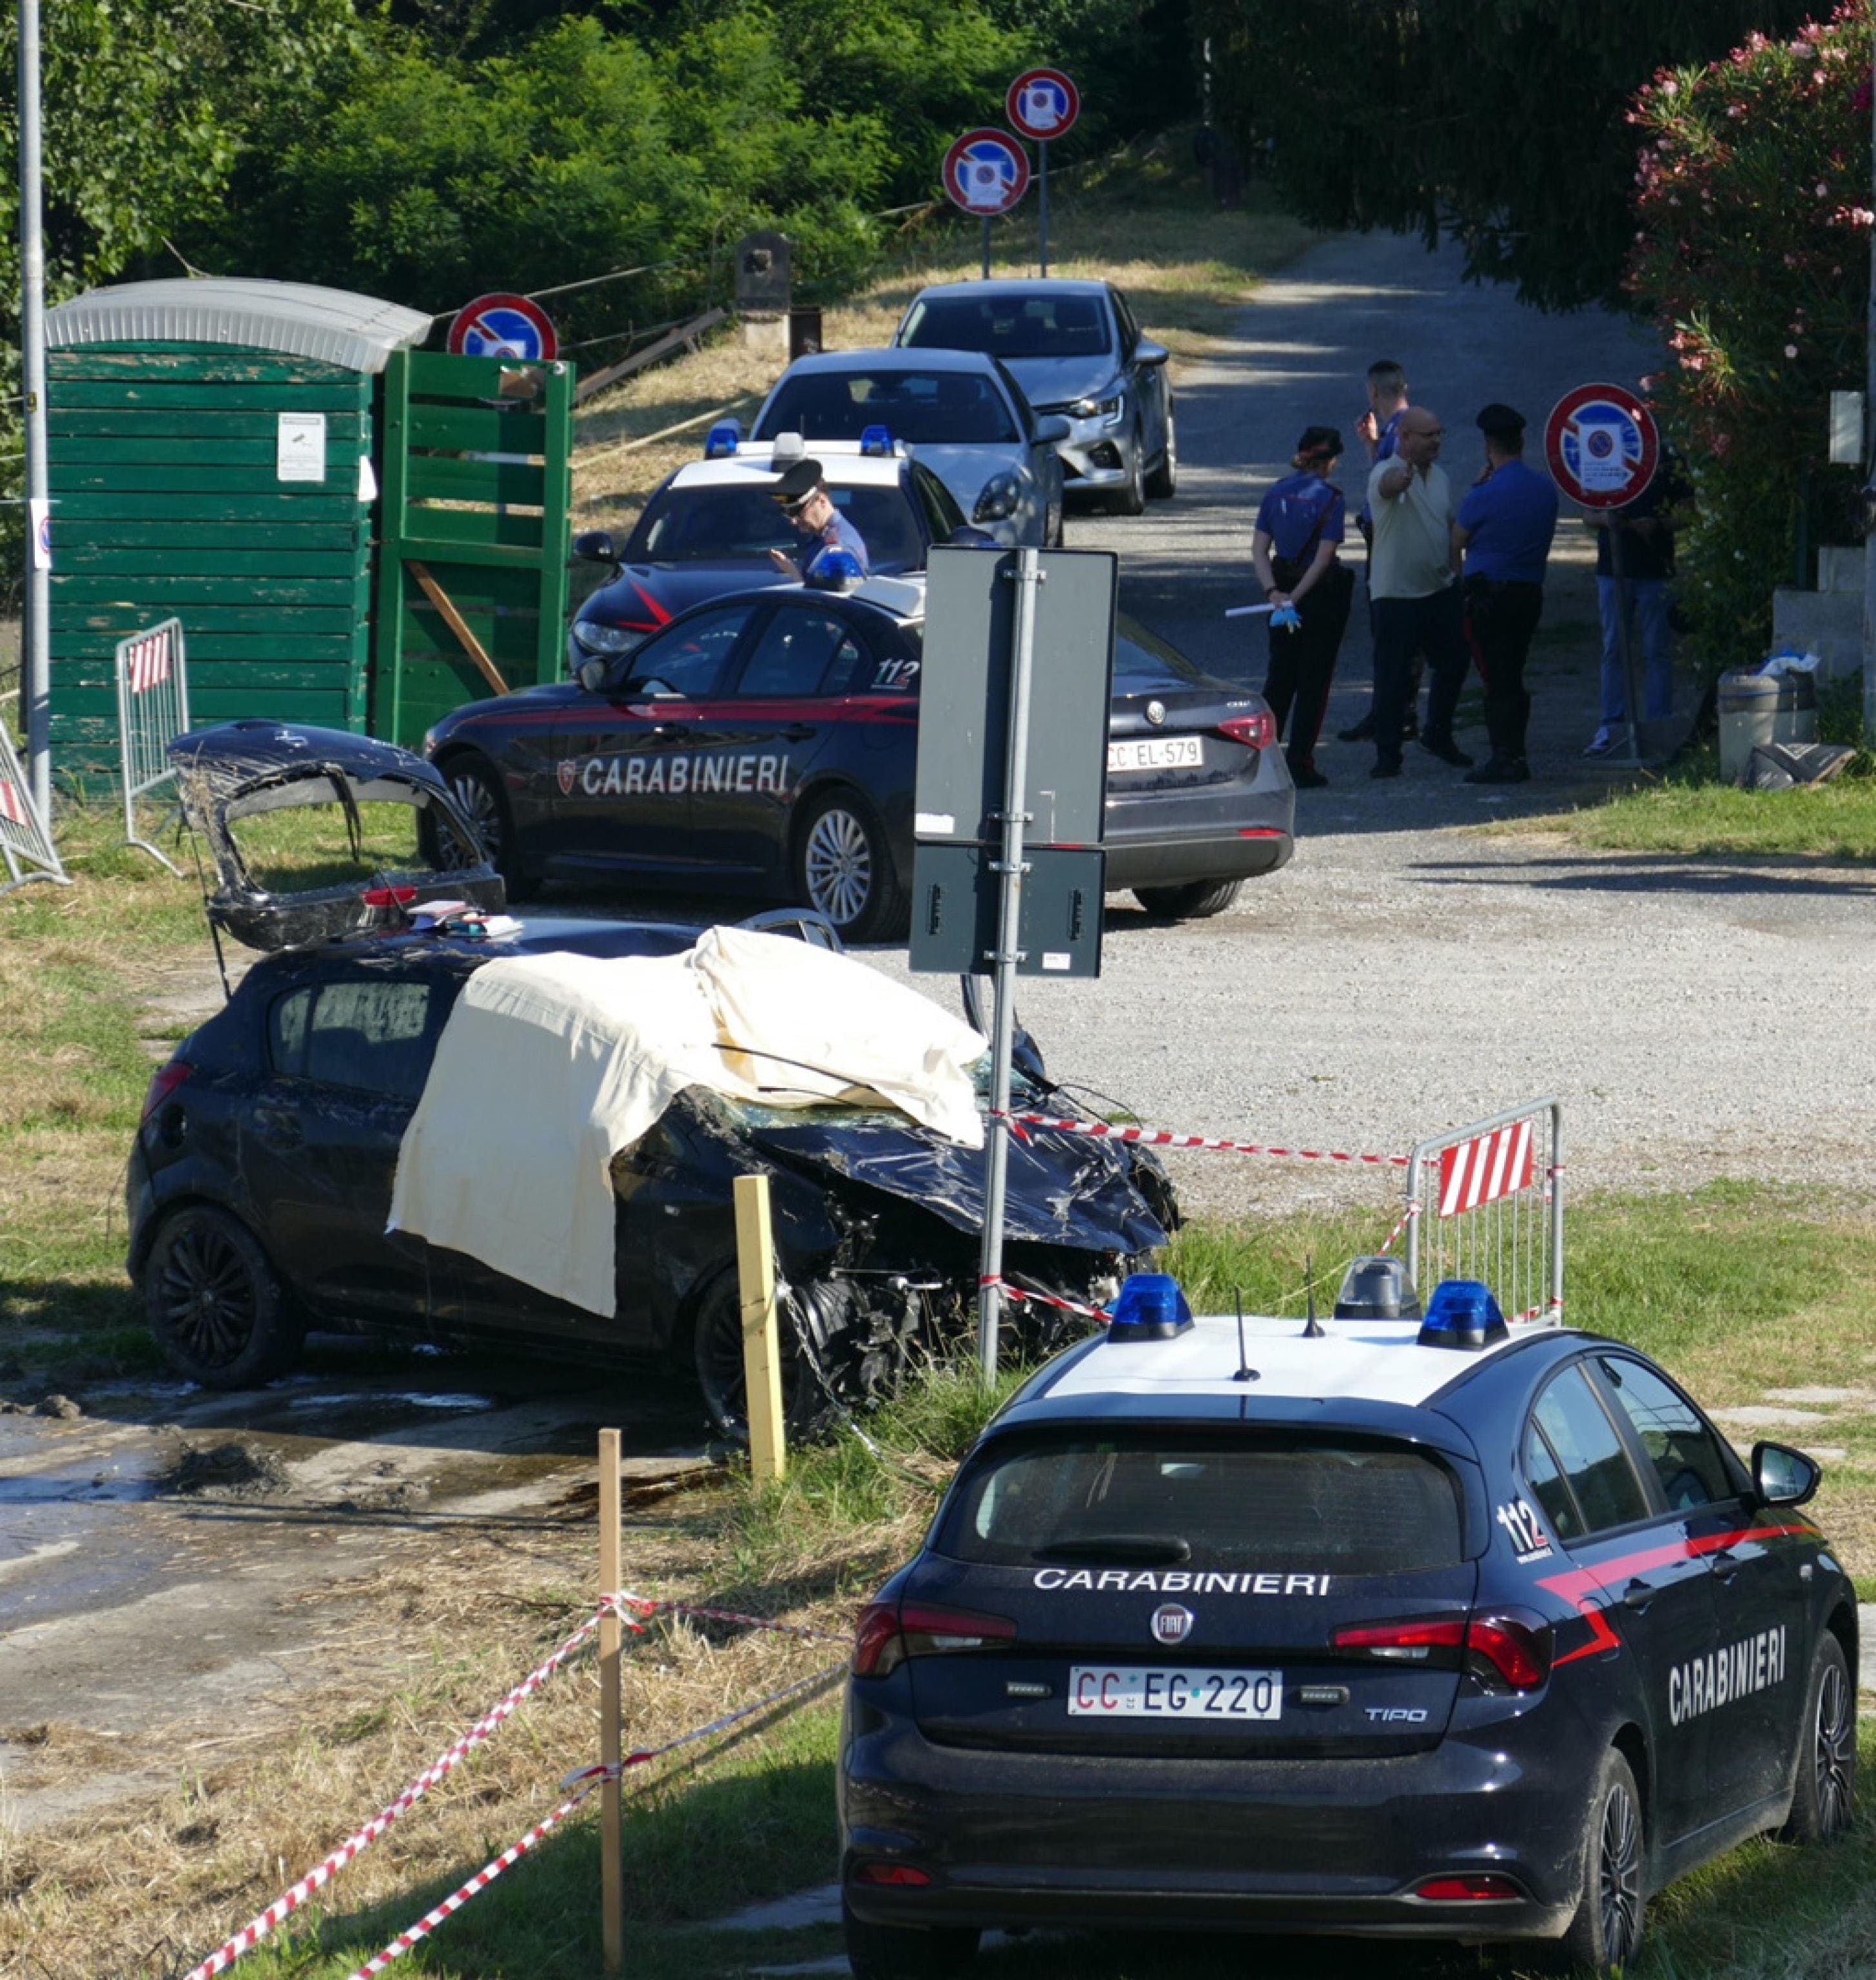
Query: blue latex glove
point(1287, 616)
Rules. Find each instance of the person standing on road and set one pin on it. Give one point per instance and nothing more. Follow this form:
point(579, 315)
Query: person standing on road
point(1647, 528)
point(1378, 429)
point(1504, 527)
point(1413, 581)
point(1295, 548)
point(805, 501)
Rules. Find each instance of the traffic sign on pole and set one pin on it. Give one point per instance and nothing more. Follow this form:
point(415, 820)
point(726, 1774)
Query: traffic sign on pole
point(986, 172)
point(499, 325)
point(1603, 446)
point(1043, 104)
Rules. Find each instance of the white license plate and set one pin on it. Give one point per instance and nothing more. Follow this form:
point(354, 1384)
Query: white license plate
point(1097, 1691)
point(1157, 752)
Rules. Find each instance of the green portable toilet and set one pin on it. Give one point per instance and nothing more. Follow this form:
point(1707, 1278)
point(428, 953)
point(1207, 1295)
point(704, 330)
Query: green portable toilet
point(210, 458)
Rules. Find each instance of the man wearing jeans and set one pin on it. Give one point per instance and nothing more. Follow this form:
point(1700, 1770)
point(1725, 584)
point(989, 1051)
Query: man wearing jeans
point(1413, 581)
point(1647, 571)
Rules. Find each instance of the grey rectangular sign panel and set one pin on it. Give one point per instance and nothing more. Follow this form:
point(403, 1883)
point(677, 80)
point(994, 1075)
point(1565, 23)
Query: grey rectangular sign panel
point(954, 897)
point(964, 695)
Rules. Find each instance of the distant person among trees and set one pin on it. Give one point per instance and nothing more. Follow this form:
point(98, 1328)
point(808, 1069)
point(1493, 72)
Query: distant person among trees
point(1647, 528)
point(1295, 548)
point(1378, 428)
point(1504, 527)
point(1413, 581)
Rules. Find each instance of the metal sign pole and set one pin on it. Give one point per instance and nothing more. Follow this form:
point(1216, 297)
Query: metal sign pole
point(1625, 633)
point(1009, 920)
point(37, 698)
point(986, 246)
point(1043, 198)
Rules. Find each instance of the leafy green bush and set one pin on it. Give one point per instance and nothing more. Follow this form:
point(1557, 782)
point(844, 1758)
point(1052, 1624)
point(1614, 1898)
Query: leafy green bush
point(1753, 253)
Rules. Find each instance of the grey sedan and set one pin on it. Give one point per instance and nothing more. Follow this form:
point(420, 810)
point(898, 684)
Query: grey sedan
point(1076, 351)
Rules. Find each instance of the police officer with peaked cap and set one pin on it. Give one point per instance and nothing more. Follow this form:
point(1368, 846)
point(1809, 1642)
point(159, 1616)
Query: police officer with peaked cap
point(804, 500)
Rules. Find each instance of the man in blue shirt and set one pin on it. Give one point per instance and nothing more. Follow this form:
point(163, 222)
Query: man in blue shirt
point(1296, 547)
point(804, 500)
point(1504, 526)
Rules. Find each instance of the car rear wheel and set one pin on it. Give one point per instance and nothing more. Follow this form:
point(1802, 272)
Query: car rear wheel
point(215, 1309)
point(1195, 902)
point(1130, 498)
point(1827, 1759)
point(477, 791)
point(844, 869)
point(1606, 1932)
point(905, 1952)
point(1162, 484)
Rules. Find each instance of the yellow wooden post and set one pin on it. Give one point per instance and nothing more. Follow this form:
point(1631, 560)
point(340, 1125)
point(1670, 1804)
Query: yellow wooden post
point(611, 1860)
point(762, 1356)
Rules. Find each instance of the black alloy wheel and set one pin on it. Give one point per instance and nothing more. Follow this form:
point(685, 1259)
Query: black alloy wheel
point(1130, 498)
point(477, 788)
point(1606, 1932)
point(1821, 1806)
point(1162, 484)
point(717, 1346)
point(215, 1308)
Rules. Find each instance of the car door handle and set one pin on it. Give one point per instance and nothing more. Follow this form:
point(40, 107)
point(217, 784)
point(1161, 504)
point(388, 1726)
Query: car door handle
point(797, 731)
point(1638, 1594)
point(278, 1128)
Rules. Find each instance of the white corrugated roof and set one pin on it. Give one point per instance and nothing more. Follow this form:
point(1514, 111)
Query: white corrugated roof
point(299, 319)
point(1378, 1361)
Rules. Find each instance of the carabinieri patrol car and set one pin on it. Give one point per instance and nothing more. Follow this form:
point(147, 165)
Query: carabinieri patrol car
point(1425, 1630)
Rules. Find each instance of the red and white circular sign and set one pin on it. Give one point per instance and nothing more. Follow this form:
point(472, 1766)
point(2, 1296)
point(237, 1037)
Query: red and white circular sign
point(499, 325)
point(1043, 104)
point(1603, 446)
point(986, 172)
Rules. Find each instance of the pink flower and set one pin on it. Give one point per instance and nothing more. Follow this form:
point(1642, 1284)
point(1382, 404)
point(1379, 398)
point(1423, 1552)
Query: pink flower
point(1790, 350)
point(1824, 191)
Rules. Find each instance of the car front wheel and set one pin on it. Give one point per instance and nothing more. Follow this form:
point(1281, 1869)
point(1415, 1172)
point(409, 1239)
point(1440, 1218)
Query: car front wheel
point(1162, 484)
point(215, 1309)
point(1606, 1932)
point(717, 1350)
point(477, 791)
point(1195, 902)
point(1827, 1760)
point(843, 868)
point(1130, 498)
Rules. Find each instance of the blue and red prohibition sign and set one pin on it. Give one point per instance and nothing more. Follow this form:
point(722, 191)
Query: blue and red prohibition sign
point(503, 326)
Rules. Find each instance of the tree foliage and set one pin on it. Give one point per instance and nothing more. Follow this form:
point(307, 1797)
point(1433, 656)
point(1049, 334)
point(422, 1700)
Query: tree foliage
point(1497, 122)
point(1752, 195)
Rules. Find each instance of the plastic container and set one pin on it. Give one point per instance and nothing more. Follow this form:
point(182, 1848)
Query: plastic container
point(1763, 708)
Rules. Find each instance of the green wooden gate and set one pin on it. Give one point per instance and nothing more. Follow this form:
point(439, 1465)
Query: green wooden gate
point(472, 563)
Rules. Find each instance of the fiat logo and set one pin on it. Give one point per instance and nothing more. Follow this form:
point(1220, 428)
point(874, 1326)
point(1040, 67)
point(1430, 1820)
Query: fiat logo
point(1171, 1624)
point(1156, 713)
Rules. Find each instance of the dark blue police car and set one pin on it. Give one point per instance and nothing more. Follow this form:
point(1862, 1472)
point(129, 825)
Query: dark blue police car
point(1379, 1627)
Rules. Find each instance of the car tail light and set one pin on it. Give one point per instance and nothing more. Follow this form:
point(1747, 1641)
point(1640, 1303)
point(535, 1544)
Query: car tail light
point(902, 1875)
point(388, 897)
point(889, 1632)
point(163, 1082)
point(1472, 1890)
point(1255, 732)
point(1503, 1652)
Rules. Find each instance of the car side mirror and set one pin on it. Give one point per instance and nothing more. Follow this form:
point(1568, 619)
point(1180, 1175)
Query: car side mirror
point(1025, 1055)
point(968, 536)
point(1147, 353)
point(1051, 429)
point(595, 547)
point(1783, 1476)
point(592, 676)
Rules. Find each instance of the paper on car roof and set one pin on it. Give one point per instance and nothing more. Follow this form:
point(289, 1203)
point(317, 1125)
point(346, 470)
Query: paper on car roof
point(550, 1065)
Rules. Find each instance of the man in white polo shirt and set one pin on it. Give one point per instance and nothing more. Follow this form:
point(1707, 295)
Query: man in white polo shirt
point(1413, 578)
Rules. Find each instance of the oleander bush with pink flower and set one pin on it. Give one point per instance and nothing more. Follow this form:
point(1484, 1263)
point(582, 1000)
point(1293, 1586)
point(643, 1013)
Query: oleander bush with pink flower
point(1753, 210)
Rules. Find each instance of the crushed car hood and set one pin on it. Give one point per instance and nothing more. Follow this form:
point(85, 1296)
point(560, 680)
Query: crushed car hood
point(241, 769)
point(1062, 1189)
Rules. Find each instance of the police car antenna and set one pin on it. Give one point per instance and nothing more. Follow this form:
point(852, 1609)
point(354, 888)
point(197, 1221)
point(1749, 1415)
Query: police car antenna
point(1313, 1329)
point(1246, 1372)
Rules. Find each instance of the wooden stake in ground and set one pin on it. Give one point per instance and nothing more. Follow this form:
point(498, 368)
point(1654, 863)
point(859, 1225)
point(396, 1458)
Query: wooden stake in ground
point(611, 1866)
point(762, 1358)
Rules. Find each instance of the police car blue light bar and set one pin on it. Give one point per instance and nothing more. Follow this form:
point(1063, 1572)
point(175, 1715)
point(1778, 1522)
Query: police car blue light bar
point(1461, 1314)
point(725, 438)
point(835, 569)
point(1151, 1307)
point(876, 440)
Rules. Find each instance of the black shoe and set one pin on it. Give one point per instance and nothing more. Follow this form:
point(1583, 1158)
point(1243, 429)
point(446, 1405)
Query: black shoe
point(1447, 751)
point(1500, 770)
point(1307, 778)
point(1386, 769)
point(1410, 729)
point(1362, 731)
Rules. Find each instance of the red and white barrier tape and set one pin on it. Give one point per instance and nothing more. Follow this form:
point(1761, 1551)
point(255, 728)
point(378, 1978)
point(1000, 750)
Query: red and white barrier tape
point(283, 1907)
point(1023, 1293)
point(1407, 1216)
point(641, 1605)
point(1158, 1138)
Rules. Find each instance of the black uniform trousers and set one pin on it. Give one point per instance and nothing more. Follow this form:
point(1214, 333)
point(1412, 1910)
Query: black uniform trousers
point(1302, 659)
point(1434, 626)
point(1501, 617)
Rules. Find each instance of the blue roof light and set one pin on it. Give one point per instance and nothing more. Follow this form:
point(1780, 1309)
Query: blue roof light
point(834, 569)
point(875, 440)
point(1151, 1308)
point(725, 438)
point(1462, 1314)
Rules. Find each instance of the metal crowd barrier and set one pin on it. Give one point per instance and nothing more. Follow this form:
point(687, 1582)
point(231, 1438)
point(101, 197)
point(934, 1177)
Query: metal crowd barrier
point(25, 838)
point(1486, 1201)
point(153, 709)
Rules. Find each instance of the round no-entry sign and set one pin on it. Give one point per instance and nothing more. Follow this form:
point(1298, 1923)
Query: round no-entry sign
point(986, 172)
point(503, 326)
point(1043, 104)
point(1603, 446)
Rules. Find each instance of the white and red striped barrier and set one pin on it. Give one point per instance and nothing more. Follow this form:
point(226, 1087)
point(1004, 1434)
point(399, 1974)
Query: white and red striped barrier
point(1483, 1170)
point(1158, 1138)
